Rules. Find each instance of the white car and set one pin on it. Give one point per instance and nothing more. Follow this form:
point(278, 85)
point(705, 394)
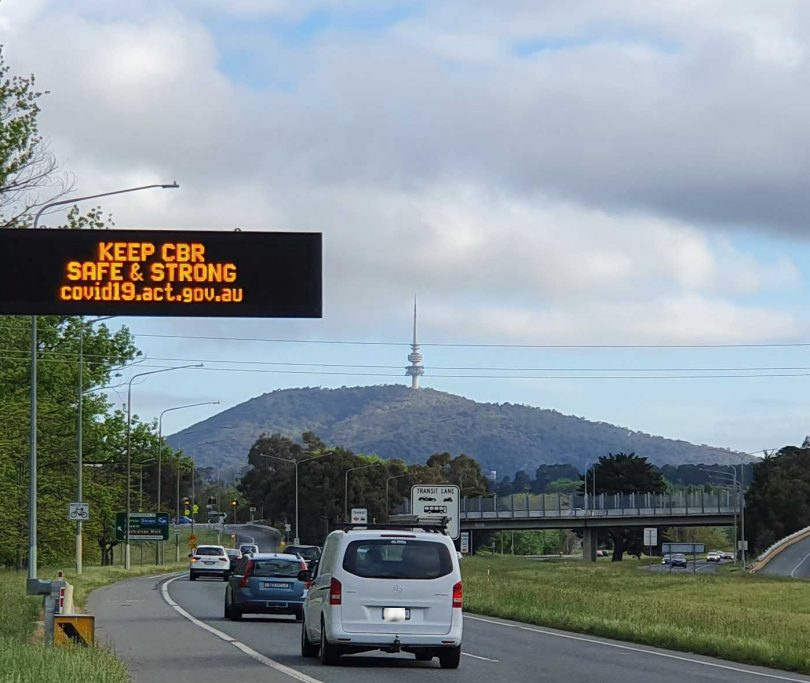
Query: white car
point(385, 589)
point(714, 556)
point(209, 560)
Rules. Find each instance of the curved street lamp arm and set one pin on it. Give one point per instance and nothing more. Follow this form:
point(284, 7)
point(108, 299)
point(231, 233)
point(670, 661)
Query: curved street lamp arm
point(74, 200)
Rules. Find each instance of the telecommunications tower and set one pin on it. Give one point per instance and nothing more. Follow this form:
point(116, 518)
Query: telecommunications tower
point(415, 369)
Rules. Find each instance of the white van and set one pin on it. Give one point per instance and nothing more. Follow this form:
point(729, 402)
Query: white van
point(392, 589)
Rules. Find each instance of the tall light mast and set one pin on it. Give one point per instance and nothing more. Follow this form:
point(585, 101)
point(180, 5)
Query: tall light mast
point(415, 369)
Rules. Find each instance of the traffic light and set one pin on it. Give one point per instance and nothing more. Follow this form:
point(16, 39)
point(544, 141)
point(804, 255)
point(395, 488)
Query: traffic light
point(186, 501)
point(234, 503)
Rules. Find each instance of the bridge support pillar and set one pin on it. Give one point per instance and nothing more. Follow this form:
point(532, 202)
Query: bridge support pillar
point(589, 545)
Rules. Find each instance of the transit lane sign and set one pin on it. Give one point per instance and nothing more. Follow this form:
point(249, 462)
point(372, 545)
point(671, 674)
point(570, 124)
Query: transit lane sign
point(359, 516)
point(143, 526)
point(440, 502)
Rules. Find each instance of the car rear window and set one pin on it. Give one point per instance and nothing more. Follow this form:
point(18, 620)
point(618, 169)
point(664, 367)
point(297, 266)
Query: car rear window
point(397, 558)
point(286, 568)
point(204, 550)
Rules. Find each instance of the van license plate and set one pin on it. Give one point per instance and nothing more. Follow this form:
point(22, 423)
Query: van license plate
point(268, 584)
point(396, 613)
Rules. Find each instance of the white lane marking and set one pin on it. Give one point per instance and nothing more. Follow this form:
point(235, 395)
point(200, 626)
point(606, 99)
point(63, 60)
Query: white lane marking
point(793, 573)
point(486, 659)
point(258, 656)
point(631, 648)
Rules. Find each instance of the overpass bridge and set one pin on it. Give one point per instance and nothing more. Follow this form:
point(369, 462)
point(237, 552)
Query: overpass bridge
point(525, 511)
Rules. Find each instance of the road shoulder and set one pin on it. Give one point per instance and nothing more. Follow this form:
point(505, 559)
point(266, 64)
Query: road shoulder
point(158, 645)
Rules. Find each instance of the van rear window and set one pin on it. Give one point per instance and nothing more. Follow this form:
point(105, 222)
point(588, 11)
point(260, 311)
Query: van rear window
point(397, 558)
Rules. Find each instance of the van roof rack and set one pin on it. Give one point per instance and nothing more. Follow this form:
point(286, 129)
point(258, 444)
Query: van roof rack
point(402, 523)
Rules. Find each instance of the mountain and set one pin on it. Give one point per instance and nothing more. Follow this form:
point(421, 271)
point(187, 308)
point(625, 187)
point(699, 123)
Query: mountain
point(398, 422)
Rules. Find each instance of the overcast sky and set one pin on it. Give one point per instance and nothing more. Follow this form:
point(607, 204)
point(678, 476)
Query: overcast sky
point(537, 173)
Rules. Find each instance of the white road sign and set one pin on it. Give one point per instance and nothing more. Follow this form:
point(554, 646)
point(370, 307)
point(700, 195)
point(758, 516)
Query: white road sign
point(650, 536)
point(359, 516)
point(79, 512)
point(465, 542)
point(437, 501)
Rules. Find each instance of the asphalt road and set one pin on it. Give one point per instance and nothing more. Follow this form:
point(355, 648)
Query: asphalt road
point(264, 537)
point(793, 561)
point(700, 566)
point(172, 629)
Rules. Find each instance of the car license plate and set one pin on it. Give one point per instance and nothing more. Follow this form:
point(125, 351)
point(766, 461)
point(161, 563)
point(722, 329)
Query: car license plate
point(207, 562)
point(396, 613)
point(269, 584)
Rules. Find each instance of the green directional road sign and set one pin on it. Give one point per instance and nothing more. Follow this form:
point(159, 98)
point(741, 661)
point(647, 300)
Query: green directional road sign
point(143, 526)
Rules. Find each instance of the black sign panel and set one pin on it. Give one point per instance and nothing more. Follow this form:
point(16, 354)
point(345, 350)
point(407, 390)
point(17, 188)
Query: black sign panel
point(160, 272)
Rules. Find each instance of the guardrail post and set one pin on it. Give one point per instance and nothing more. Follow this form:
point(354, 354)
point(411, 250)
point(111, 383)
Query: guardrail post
point(559, 510)
point(528, 504)
point(542, 504)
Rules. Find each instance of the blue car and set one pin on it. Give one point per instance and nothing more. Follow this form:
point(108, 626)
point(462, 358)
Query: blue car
point(266, 583)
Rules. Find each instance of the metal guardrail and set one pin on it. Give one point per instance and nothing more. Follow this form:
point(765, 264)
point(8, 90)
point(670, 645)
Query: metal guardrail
point(578, 505)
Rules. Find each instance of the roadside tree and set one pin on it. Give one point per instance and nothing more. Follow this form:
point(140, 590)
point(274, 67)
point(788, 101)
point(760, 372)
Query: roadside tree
point(625, 473)
point(778, 501)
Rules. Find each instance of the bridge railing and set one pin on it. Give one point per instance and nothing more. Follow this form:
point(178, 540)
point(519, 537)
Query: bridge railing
point(602, 505)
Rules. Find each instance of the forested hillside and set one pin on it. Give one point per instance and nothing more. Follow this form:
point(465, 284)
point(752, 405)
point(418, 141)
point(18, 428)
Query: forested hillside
point(397, 422)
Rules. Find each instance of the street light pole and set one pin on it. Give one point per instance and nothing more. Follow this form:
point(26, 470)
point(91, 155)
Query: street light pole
point(737, 488)
point(177, 518)
point(140, 483)
point(160, 437)
point(33, 586)
point(129, 452)
point(296, 463)
point(396, 476)
point(346, 488)
point(79, 434)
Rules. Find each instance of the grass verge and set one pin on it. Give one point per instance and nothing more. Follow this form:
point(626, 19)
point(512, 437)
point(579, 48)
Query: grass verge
point(753, 619)
point(25, 659)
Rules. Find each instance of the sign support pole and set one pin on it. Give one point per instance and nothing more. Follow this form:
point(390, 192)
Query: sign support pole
point(32, 466)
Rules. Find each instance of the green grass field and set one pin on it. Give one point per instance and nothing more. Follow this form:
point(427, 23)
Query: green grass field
point(754, 619)
point(23, 657)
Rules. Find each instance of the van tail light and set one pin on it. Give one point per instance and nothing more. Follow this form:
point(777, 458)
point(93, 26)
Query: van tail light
point(458, 595)
point(335, 592)
point(246, 576)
